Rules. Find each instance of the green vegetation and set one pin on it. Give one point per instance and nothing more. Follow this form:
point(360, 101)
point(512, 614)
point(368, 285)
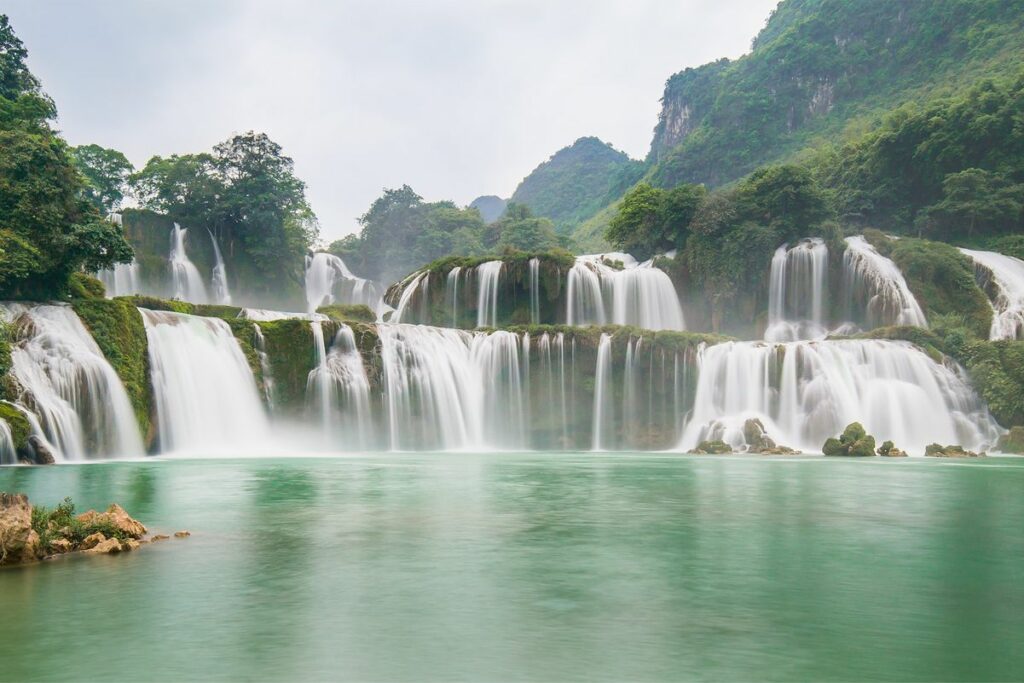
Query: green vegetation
point(17, 423)
point(61, 522)
point(490, 207)
point(48, 228)
point(576, 182)
point(289, 345)
point(117, 327)
point(651, 220)
point(107, 173)
point(715, 447)
point(519, 230)
point(348, 313)
point(854, 441)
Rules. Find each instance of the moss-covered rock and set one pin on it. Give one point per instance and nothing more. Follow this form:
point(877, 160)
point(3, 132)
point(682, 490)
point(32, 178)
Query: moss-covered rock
point(1012, 441)
point(939, 451)
point(348, 313)
point(289, 348)
point(83, 286)
point(19, 426)
point(853, 442)
point(117, 327)
point(889, 450)
point(715, 447)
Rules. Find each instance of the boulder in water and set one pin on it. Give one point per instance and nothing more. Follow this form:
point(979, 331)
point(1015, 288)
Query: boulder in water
point(44, 456)
point(91, 541)
point(19, 542)
point(110, 545)
point(1012, 441)
point(758, 441)
point(955, 451)
point(853, 442)
point(118, 518)
point(716, 447)
point(59, 546)
point(889, 450)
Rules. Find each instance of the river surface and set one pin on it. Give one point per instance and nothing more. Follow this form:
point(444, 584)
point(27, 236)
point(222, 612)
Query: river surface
point(531, 567)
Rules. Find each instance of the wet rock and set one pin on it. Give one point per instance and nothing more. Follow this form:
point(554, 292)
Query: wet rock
point(1012, 441)
point(159, 537)
point(758, 441)
point(59, 546)
point(938, 451)
point(111, 545)
point(182, 534)
point(130, 544)
point(888, 450)
point(19, 543)
point(91, 541)
point(715, 447)
point(43, 454)
point(116, 516)
point(853, 442)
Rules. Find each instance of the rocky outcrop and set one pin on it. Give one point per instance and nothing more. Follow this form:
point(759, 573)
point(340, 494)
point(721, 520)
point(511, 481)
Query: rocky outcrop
point(117, 517)
point(853, 442)
point(715, 447)
point(888, 450)
point(105, 547)
point(1012, 441)
point(44, 456)
point(758, 441)
point(939, 451)
point(19, 542)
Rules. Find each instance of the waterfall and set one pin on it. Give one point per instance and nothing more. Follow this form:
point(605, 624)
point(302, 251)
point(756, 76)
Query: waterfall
point(8, 455)
point(534, 276)
point(1002, 278)
point(219, 279)
point(205, 392)
point(637, 294)
point(452, 389)
point(79, 402)
point(185, 278)
point(340, 390)
point(797, 292)
point(121, 280)
point(875, 285)
point(409, 288)
point(451, 292)
point(805, 392)
point(488, 278)
point(329, 281)
point(259, 344)
point(602, 393)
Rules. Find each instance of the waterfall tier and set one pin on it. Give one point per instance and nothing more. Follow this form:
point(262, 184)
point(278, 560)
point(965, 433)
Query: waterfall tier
point(186, 283)
point(797, 294)
point(875, 286)
point(805, 392)
point(1002, 279)
point(74, 398)
point(636, 294)
point(219, 279)
point(329, 281)
point(204, 390)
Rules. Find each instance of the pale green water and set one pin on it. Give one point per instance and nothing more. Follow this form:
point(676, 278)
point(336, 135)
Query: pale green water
point(540, 567)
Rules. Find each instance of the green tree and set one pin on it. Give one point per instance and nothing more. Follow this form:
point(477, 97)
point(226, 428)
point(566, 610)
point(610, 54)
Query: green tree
point(651, 220)
point(520, 230)
point(975, 198)
point(107, 172)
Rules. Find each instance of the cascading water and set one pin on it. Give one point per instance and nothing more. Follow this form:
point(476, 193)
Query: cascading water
point(219, 279)
point(121, 280)
point(205, 393)
point(637, 294)
point(186, 282)
point(259, 344)
point(534, 276)
point(82, 409)
point(8, 455)
point(409, 288)
point(451, 292)
point(488, 279)
point(874, 285)
point(805, 392)
point(797, 292)
point(329, 281)
point(602, 395)
point(339, 390)
point(1002, 278)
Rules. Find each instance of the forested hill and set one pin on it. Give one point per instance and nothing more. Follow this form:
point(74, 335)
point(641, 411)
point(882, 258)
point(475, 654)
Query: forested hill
point(577, 181)
point(820, 68)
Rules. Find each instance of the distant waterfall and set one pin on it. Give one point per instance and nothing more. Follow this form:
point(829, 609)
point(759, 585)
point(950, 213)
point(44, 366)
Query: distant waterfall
point(339, 390)
point(329, 281)
point(488, 278)
point(639, 294)
point(186, 282)
point(451, 292)
point(79, 403)
point(121, 280)
point(410, 286)
point(8, 456)
point(219, 280)
point(205, 392)
point(797, 292)
point(259, 344)
point(805, 392)
point(534, 286)
point(875, 285)
point(1002, 278)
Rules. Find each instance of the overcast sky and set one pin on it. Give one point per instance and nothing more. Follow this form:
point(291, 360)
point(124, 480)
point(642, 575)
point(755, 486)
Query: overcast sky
point(455, 98)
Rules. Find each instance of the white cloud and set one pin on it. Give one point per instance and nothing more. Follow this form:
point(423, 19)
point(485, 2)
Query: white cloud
point(455, 98)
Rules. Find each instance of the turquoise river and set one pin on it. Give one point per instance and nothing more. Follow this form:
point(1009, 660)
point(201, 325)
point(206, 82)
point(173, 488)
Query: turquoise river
point(531, 567)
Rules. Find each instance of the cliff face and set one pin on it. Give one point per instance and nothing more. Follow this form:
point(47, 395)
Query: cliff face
point(816, 66)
